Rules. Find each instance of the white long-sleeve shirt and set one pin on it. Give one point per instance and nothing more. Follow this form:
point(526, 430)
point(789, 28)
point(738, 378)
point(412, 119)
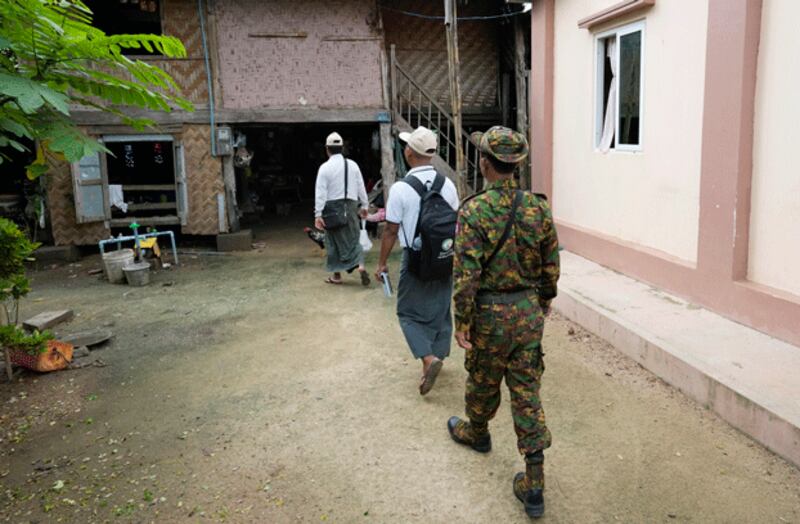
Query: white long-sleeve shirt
point(330, 183)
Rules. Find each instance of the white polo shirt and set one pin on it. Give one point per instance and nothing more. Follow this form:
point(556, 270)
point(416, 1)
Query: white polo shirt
point(403, 205)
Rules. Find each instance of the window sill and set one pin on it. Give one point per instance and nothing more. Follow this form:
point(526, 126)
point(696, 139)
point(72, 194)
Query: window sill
point(619, 152)
point(614, 12)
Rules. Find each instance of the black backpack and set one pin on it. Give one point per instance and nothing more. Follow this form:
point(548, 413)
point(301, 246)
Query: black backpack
point(436, 227)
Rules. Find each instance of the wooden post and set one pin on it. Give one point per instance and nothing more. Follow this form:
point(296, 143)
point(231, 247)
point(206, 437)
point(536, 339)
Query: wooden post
point(388, 172)
point(393, 82)
point(4, 321)
point(451, 28)
point(385, 63)
point(387, 159)
point(229, 179)
point(521, 76)
point(385, 80)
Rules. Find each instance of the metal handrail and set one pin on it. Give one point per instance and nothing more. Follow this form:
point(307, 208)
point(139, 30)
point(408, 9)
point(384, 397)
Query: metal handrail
point(412, 96)
point(424, 93)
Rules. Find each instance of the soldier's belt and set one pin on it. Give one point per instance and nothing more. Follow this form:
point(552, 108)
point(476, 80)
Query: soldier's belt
point(487, 299)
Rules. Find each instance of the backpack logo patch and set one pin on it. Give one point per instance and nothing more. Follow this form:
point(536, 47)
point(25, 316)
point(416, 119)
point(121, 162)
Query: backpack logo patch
point(447, 245)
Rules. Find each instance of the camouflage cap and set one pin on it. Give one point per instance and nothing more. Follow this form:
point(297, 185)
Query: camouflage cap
point(505, 144)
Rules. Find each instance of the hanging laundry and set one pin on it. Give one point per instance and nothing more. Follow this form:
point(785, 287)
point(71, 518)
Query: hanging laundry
point(116, 198)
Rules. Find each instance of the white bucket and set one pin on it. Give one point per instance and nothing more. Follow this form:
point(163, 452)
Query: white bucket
point(137, 274)
point(114, 261)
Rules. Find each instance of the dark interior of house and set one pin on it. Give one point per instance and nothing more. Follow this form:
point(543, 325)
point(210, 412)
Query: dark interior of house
point(146, 172)
point(281, 177)
point(133, 17)
point(20, 198)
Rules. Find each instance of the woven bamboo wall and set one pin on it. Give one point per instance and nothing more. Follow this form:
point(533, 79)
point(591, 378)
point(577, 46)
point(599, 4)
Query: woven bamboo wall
point(203, 181)
point(422, 50)
point(61, 205)
point(180, 19)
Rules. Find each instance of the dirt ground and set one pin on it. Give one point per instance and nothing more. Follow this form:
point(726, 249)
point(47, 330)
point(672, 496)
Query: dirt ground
point(241, 388)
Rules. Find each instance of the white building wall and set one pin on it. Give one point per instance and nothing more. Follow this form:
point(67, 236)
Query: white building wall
point(652, 197)
point(775, 214)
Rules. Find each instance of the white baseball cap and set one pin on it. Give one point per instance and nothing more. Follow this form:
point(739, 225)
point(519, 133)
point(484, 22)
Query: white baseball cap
point(334, 139)
point(422, 141)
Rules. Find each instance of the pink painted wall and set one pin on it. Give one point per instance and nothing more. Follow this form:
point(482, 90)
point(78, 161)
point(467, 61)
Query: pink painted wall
point(315, 71)
point(718, 279)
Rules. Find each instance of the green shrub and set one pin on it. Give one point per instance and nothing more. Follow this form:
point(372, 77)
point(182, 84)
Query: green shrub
point(14, 337)
point(15, 249)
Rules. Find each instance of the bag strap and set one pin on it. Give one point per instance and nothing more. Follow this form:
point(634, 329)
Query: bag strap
point(512, 219)
point(416, 184)
point(438, 183)
point(420, 189)
point(345, 177)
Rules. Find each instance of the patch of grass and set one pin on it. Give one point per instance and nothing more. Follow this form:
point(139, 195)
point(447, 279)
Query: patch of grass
point(126, 510)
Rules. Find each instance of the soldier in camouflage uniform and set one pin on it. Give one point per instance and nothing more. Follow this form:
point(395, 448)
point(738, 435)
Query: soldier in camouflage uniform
point(504, 283)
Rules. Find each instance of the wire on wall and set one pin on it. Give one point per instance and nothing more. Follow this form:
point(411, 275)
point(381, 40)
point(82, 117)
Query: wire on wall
point(212, 117)
point(460, 18)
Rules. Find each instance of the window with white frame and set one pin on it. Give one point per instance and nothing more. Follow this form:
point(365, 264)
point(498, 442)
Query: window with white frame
point(619, 88)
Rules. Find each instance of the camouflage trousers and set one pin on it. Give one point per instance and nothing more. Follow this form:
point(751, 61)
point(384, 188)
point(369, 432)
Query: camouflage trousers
point(506, 343)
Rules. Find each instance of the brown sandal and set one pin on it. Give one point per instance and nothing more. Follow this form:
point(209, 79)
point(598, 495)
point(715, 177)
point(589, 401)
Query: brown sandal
point(330, 280)
point(429, 378)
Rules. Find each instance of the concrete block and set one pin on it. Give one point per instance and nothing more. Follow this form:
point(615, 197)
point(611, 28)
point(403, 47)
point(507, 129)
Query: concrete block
point(48, 319)
point(88, 338)
point(56, 254)
point(239, 241)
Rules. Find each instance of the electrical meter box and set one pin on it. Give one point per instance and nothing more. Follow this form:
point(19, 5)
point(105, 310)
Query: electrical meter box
point(224, 141)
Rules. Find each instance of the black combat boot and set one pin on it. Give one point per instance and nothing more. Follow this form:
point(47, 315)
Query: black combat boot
point(470, 434)
point(529, 486)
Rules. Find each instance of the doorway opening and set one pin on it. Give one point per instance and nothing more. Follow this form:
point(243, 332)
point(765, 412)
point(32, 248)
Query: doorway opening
point(279, 182)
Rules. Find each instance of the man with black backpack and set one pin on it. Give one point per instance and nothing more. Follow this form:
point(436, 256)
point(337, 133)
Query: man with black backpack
point(506, 269)
point(421, 212)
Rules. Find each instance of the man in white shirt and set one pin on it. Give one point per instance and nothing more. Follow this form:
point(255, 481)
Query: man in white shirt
point(423, 307)
point(340, 183)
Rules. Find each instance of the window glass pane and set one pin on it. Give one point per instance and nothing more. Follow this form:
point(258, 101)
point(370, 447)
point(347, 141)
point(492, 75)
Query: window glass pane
point(90, 172)
point(90, 160)
point(92, 201)
point(630, 68)
point(608, 97)
point(608, 74)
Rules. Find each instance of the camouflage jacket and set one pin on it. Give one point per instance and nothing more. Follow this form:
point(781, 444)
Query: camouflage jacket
point(528, 260)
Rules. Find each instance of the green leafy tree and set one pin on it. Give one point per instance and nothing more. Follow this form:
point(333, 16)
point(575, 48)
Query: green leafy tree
point(53, 59)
